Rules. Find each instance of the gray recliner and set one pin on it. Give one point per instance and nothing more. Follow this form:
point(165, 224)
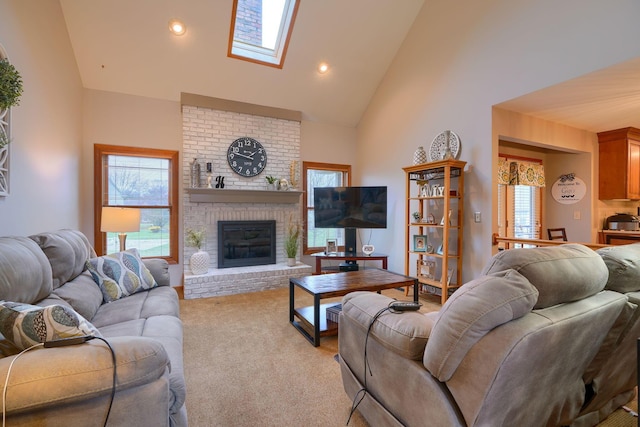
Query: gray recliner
point(512, 347)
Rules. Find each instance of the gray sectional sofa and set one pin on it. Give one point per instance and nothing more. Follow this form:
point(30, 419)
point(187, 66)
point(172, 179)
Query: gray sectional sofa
point(72, 385)
point(544, 337)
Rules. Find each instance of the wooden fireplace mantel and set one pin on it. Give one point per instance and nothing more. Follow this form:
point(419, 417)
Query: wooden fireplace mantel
point(212, 195)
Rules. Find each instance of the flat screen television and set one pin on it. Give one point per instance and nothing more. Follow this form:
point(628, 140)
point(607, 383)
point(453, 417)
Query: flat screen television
point(350, 208)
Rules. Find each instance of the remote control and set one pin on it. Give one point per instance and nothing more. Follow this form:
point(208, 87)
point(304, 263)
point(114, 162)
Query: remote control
point(405, 306)
point(62, 342)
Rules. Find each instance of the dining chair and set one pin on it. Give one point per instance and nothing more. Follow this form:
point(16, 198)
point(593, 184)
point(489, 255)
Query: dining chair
point(557, 234)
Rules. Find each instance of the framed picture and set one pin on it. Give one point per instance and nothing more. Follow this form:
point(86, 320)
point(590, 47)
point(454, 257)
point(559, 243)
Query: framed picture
point(427, 268)
point(332, 246)
point(419, 243)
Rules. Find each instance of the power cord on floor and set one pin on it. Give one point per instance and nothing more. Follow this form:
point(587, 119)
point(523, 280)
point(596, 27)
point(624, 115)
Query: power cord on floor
point(61, 343)
point(395, 307)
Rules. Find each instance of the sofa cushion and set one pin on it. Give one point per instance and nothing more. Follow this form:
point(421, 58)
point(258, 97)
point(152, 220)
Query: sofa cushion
point(120, 274)
point(26, 325)
point(155, 302)
point(67, 251)
point(25, 272)
point(405, 334)
point(82, 294)
point(560, 273)
point(166, 330)
point(623, 263)
point(159, 269)
point(471, 312)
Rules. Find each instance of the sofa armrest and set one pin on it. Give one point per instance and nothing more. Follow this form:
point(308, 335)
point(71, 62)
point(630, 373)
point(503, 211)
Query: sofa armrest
point(404, 333)
point(48, 377)
point(159, 269)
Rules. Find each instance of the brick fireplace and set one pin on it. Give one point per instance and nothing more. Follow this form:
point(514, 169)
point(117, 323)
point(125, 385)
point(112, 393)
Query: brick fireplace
point(207, 134)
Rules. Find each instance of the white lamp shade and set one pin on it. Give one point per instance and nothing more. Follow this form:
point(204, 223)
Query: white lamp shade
point(120, 220)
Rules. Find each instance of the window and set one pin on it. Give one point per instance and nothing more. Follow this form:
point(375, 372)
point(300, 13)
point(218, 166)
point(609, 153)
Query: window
point(140, 178)
point(520, 210)
point(321, 175)
point(260, 30)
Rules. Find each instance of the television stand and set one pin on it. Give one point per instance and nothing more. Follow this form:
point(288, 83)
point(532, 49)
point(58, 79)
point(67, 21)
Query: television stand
point(341, 256)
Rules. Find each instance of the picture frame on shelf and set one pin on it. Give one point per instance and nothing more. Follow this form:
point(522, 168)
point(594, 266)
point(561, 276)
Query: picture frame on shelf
point(419, 243)
point(332, 247)
point(426, 269)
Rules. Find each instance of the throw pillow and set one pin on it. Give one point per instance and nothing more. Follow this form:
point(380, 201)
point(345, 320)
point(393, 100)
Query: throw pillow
point(120, 274)
point(25, 325)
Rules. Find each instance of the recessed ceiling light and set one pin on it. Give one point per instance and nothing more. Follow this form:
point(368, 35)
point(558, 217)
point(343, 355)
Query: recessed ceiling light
point(177, 27)
point(323, 68)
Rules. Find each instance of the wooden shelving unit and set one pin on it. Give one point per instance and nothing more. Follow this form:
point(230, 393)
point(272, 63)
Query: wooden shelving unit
point(438, 262)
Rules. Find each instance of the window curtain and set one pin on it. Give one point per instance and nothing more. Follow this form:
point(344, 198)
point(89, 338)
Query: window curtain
point(520, 173)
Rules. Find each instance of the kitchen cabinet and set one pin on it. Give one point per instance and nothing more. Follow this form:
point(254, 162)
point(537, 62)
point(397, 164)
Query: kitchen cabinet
point(615, 237)
point(619, 161)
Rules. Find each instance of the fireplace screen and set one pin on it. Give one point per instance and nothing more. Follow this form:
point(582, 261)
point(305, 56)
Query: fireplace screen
point(246, 243)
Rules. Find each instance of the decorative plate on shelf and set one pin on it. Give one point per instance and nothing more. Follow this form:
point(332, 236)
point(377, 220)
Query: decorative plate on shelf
point(439, 145)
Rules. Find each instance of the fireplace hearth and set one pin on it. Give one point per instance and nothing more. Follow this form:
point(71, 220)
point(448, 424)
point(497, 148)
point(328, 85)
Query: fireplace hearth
point(246, 243)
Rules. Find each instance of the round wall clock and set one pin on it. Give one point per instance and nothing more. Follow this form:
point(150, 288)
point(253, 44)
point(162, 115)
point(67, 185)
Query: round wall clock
point(246, 157)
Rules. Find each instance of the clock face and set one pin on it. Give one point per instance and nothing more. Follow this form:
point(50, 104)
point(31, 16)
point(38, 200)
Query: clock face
point(247, 157)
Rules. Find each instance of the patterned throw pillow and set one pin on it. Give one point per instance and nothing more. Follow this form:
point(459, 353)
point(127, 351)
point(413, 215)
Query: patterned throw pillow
point(26, 325)
point(120, 274)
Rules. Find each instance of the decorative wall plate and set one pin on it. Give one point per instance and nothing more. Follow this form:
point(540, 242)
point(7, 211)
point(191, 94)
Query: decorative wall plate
point(439, 145)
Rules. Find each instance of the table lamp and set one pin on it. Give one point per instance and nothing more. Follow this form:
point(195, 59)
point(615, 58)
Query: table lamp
point(120, 220)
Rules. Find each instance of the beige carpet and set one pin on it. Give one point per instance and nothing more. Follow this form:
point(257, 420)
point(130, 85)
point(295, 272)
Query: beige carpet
point(246, 365)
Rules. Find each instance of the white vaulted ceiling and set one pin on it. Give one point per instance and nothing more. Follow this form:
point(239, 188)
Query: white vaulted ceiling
point(125, 46)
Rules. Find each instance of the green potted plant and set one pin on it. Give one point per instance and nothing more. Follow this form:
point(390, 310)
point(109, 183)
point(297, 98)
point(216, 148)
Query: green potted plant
point(271, 182)
point(10, 85)
point(10, 92)
point(199, 261)
point(291, 241)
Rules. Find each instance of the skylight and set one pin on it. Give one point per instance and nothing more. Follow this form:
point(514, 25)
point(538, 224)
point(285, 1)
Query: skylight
point(261, 29)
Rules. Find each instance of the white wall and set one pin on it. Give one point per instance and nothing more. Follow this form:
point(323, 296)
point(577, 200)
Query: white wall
point(459, 60)
point(576, 217)
point(46, 127)
point(325, 143)
point(135, 121)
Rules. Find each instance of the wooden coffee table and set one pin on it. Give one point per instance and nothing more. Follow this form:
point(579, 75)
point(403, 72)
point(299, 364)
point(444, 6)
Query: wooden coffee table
point(312, 321)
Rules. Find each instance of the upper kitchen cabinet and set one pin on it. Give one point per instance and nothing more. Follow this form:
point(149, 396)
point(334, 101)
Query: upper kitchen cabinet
point(619, 164)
